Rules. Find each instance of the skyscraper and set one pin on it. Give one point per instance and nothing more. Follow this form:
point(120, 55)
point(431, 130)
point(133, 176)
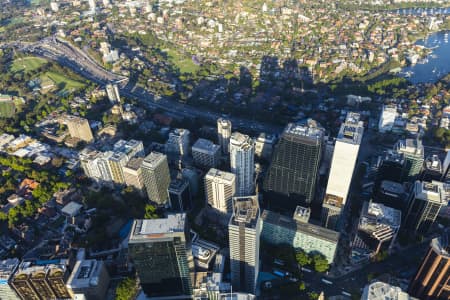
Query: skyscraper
point(244, 231)
point(242, 161)
point(206, 154)
point(431, 281)
point(224, 134)
point(377, 228)
point(7, 269)
point(79, 128)
point(132, 174)
point(161, 252)
point(178, 142)
point(220, 187)
point(179, 195)
point(383, 291)
point(426, 201)
point(156, 177)
point(116, 163)
point(343, 164)
point(88, 278)
point(292, 176)
point(414, 156)
point(390, 167)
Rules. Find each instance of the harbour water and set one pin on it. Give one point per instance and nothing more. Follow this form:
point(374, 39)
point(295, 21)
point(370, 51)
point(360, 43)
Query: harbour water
point(436, 64)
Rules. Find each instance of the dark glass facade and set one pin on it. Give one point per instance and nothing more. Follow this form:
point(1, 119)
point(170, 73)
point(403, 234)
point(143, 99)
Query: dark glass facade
point(292, 176)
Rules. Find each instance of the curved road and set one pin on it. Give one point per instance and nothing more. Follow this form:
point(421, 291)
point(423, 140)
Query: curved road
point(72, 57)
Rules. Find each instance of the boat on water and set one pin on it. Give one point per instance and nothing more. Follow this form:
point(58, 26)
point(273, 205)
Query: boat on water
point(408, 74)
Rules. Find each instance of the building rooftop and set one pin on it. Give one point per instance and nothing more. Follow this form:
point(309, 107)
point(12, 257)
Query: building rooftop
point(153, 160)
point(224, 122)
point(382, 291)
point(245, 210)
point(311, 130)
point(205, 145)
point(384, 214)
point(351, 130)
point(442, 244)
point(178, 185)
point(135, 163)
point(410, 147)
point(306, 228)
point(302, 214)
point(85, 274)
point(394, 156)
point(392, 188)
point(7, 268)
point(430, 191)
point(266, 138)
point(158, 228)
point(220, 174)
point(71, 209)
point(433, 163)
point(241, 140)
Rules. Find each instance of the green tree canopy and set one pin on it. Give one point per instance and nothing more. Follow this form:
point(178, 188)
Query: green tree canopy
point(126, 289)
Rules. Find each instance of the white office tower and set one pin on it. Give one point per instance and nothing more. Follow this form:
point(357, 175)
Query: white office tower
point(220, 187)
point(244, 232)
point(92, 5)
point(89, 162)
point(178, 142)
point(206, 154)
point(54, 6)
point(264, 145)
point(113, 92)
point(342, 167)
point(156, 177)
point(242, 151)
point(224, 134)
point(387, 118)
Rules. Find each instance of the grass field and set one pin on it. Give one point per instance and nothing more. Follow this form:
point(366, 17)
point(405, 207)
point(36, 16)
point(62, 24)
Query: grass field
point(186, 65)
point(6, 109)
point(63, 83)
point(28, 63)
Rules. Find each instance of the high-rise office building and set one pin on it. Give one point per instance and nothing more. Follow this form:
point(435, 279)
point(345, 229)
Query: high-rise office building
point(224, 134)
point(293, 173)
point(104, 166)
point(392, 194)
point(342, 167)
point(88, 161)
point(414, 157)
point(180, 197)
point(178, 142)
point(377, 228)
point(390, 167)
point(39, 282)
point(278, 229)
point(206, 154)
point(426, 201)
point(264, 145)
point(132, 174)
point(7, 269)
point(156, 177)
point(220, 187)
point(88, 278)
point(79, 128)
point(161, 251)
point(432, 280)
point(244, 231)
point(112, 91)
point(116, 163)
point(130, 148)
point(387, 118)
point(242, 161)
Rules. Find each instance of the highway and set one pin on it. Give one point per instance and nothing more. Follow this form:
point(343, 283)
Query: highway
point(69, 56)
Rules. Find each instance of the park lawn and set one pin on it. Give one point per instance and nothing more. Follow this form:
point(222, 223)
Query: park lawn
point(62, 83)
point(7, 109)
point(28, 63)
point(186, 65)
